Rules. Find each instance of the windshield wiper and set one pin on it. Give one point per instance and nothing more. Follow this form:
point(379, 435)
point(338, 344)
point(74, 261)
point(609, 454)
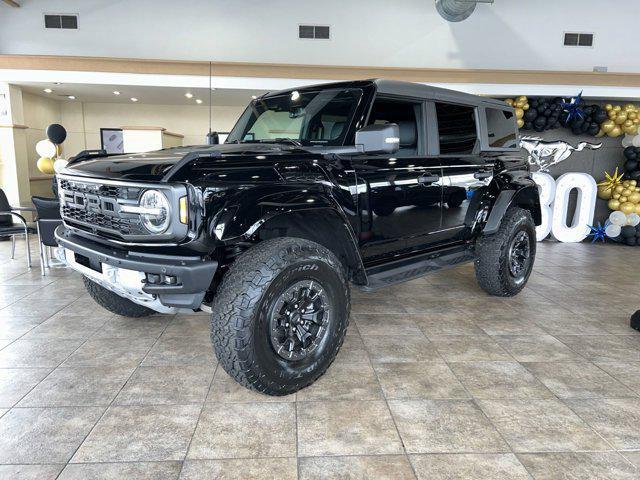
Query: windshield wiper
point(292, 141)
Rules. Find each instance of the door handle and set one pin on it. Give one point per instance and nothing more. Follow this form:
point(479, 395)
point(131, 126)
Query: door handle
point(481, 175)
point(428, 178)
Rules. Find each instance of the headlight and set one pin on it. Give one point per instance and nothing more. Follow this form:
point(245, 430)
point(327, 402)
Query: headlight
point(155, 211)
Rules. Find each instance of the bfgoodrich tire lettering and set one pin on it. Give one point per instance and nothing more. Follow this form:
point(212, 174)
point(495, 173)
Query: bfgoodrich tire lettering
point(493, 253)
point(242, 308)
point(115, 303)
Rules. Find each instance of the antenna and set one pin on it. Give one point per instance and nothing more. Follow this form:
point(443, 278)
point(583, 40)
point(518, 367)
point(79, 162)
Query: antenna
point(210, 103)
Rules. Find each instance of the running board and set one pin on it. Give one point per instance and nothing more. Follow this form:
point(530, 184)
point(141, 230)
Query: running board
point(407, 269)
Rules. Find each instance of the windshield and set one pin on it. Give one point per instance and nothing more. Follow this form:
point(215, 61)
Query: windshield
point(302, 118)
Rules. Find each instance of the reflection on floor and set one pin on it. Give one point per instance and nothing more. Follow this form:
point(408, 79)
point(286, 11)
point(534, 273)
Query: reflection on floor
point(435, 380)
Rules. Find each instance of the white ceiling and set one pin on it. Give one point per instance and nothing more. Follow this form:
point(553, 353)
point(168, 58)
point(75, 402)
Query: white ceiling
point(145, 94)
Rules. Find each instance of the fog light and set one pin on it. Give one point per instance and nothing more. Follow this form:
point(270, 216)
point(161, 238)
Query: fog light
point(170, 280)
point(153, 278)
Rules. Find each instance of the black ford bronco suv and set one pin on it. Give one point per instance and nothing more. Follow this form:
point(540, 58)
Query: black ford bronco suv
point(369, 183)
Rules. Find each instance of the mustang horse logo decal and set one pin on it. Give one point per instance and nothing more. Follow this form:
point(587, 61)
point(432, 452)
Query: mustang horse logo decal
point(547, 154)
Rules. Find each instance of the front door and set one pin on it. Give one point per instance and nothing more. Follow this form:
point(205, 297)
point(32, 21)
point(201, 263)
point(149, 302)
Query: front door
point(400, 194)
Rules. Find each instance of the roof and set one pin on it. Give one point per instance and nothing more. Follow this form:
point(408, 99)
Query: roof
point(409, 89)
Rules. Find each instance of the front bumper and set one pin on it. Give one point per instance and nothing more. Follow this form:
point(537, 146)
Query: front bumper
point(126, 272)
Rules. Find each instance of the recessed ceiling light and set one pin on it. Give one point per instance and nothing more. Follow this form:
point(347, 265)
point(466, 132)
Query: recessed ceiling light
point(57, 83)
point(188, 95)
point(134, 99)
point(198, 101)
point(47, 90)
point(71, 97)
point(116, 92)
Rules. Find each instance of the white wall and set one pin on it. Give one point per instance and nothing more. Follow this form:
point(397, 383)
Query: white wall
point(510, 34)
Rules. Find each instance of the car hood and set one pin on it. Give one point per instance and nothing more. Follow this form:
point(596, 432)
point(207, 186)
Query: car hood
point(155, 166)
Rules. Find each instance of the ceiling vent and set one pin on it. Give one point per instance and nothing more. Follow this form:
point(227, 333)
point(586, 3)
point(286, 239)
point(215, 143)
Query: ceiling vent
point(457, 10)
point(314, 32)
point(63, 21)
point(578, 39)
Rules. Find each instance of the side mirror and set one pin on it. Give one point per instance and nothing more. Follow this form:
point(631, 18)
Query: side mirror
point(379, 138)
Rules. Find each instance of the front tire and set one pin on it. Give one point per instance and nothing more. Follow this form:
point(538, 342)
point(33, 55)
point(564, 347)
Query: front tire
point(504, 260)
point(280, 315)
point(115, 303)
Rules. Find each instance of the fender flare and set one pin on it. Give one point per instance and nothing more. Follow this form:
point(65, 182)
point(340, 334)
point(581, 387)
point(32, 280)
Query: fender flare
point(525, 197)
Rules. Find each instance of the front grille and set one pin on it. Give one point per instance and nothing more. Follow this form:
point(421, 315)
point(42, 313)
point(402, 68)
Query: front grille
point(95, 207)
point(122, 226)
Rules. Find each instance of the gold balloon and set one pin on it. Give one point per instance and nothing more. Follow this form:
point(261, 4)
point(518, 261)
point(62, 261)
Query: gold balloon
point(607, 126)
point(604, 193)
point(634, 197)
point(617, 108)
point(618, 188)
point(629, 107)
point(509, 101)
point(45, 165)
point(614, 204)
point(612, 114)
point(638, 209)
point(628, 123)
point(519, 113)
point(626, 192)
point(632, 115)
point(615, 132)
point(608, 106)
point(616, 196)
point(521, 98)
point(631, 129)
point(520, 123)
point(620, 118)
point(623, 199)
point(525, 106)
point(636, 121)
point(627, 208)
point(633, 183)
point(601, 133)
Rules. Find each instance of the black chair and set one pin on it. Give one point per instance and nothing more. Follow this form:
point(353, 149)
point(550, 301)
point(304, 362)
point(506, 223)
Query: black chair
point(47, 220)
point(8, 228)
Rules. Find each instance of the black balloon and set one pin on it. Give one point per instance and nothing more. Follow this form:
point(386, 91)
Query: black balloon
point(631, 241)
point(635, 175)
point(630, 152)
point(56, 133)
point(630, 165)
point(628, 231)
point(530, 115)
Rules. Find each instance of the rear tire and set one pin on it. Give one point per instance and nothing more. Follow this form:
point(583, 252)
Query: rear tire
point(504, 260)
point(115, 303)
point(263, 307)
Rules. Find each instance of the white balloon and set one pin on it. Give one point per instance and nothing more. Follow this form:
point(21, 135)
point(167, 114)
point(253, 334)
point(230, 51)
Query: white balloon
point(618, 218)
point(627, 141)
point(635, 141)
point(633, 219)
point(45, 148)
point(613, 230)
point(60, 164)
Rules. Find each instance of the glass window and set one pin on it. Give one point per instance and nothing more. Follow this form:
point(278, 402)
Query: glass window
point(456, 128)
point(501, 128)
point(320, 117)
point(406, 115)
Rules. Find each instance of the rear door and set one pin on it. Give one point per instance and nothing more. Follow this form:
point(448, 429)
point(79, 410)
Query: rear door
point(464, 170)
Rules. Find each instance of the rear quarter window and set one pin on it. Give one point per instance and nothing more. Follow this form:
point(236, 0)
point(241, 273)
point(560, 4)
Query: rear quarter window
point(457, 132)
point(501, 128)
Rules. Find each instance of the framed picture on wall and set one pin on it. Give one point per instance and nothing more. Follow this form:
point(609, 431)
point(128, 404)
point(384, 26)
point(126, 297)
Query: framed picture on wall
point(111, 140)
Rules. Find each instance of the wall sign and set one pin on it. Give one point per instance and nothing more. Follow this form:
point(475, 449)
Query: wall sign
point(554, 205)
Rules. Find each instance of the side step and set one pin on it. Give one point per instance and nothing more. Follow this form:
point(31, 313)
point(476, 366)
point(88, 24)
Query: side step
point(406, 269)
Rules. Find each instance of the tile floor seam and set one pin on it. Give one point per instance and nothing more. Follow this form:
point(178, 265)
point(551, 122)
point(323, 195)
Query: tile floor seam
point(195, 427)
point(393, 419)
point(106, 409)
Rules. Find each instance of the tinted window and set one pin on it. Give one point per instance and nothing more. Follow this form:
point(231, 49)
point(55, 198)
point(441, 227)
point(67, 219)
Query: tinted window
point(501, 128)
point(456, 128)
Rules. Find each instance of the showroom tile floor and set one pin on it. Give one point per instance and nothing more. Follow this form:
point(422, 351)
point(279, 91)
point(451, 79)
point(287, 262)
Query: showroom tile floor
point(435, 380)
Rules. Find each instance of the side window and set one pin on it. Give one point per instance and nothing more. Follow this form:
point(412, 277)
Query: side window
point(456, 128)
point(407, 115)
point(501, 128)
